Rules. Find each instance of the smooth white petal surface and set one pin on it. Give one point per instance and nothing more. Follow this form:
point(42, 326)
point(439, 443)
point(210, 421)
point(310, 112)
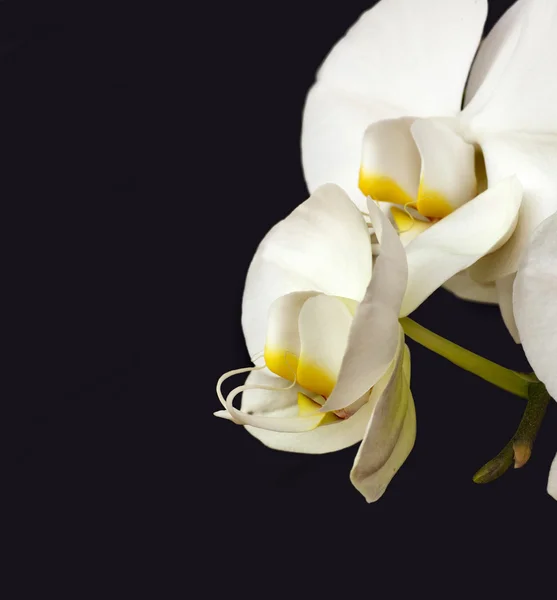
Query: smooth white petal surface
point(533, 159)
point(411, 52)
point(390, 168)
point(375, 331)
point(459, 240)
point(324, 439)
point(390, 435)
point(513, 86)
point(322, 246)
point(535, 303)
point(492, 59)
point(403, 57)
point(552, 482)
point(448, 177)
point(324, 324)
point(504, 288)
point(464, 287)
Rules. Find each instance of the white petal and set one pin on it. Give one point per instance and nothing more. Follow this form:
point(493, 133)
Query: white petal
point(374, 335)
point(324, 325)
point(513, 80)
point(390, 169)
point(535, 307)
point(459, 240)
point(414, 53)
point(403, 57)
point(322, 246)
point(282, 344)
point(552, 482)
point(504, 288)
point(533, 159)
point(324, 439)
point(390, 435)
point(464, 287)
point(448, 177)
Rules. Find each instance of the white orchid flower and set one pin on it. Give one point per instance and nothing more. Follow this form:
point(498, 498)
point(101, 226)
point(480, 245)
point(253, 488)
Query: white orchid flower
point(331, 365)
point(405, 111)
point(535, 309)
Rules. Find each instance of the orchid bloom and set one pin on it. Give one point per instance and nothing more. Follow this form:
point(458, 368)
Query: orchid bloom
point(405, 111)
point(321, 320)
point(535, 309)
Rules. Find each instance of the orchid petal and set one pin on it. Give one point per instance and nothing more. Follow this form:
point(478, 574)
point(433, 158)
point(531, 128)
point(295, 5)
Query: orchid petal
point(282, 345)
point(459, 240)
point(390, 435)
point(323, 439)
point(322, 246)
point(374, 334)
point(448, 178)
point(535, 308)
point(390, 169)
point(552, 481)
point(464, 287)
point(415, 52)
point(533, 159)
point(324, 325)
point(512, 82)
point(504, 288)
point(402, 57)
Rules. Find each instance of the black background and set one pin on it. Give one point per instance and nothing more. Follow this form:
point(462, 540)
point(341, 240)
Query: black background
point(146, 153)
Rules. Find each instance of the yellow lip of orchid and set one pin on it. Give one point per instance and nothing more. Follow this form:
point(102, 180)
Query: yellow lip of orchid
point(306, 338)
point(307, 334)
point(306, 373)
point(309, 408)
point(281, 362)
point(383, 188)
point(315, 378)
point(435, 169)
point(432, 203)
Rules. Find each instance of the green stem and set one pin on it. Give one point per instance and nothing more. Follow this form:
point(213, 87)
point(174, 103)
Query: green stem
point(519, 449)
point(504, 378)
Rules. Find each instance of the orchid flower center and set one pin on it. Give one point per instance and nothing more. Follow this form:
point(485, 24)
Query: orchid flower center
point(423, 167)
point(307, 336)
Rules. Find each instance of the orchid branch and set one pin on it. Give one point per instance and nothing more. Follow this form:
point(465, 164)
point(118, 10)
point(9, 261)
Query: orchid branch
point(506, 379)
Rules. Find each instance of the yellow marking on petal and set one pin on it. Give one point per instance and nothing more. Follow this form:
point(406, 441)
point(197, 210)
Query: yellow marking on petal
point(308, 408)
point(402, 219)
point(281, 362)
point(432, 203)
point(330, 417)
point(383, 188)
point(314, 378)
